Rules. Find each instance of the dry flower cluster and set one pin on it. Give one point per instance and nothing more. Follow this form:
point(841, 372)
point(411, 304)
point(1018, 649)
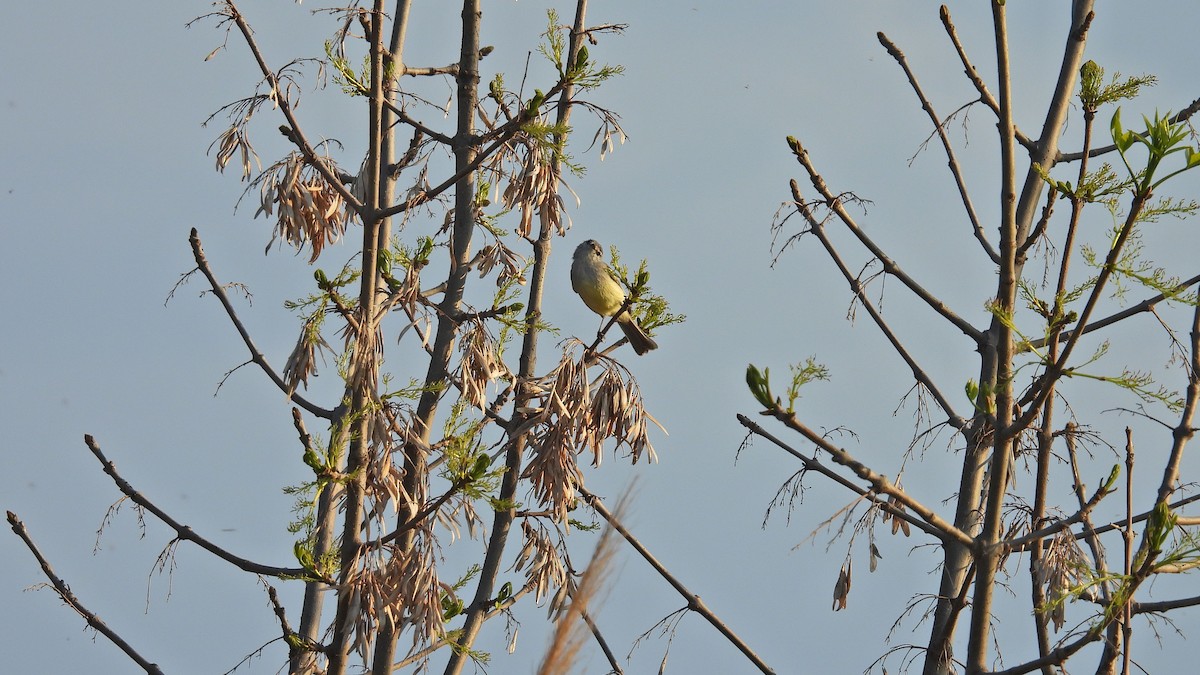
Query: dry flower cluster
point(1059, 573)
point(580, 414)
point(480, 366)
point(534, 190)
point(308, 210)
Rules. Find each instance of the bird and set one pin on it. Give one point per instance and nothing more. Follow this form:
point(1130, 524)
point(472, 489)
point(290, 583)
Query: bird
point(603, 294)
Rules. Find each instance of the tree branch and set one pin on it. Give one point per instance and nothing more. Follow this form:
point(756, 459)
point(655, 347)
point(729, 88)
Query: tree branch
point(940, 130)
point(297, 136)
point(812, 463)
point(255, 355)
point(922, 378)
point(608, 653)
point(64, 592)
point(879, 483)
point(183, 532)
point(834, 203)
point(694, 602)
point(985, 96)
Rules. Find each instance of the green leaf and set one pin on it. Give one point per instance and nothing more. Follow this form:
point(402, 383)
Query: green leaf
point(451, 607)
point(535, 103)
point(505, 593)
point(1112, 478)
point(1193, 157)
point(482, 463)
point(760, 386)
point(1161, 523)
point(313, 460)
point(1123, 139)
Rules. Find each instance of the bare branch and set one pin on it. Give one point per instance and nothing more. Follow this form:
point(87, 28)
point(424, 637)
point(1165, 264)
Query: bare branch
point(1163, 605)
point(940, 130)
point(183, 532)
point(814, 464)
point(879, 483)
point(608, 653)
point(694, 602)
point(64, 592)
point(985, 96)
point(922, 377)
point(834, 203)
point(255, 355)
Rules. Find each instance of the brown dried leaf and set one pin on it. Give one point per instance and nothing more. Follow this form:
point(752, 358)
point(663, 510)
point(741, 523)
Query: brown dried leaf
point(546, 568)
point(301, 363)
point(235, 141)
point(309, 210)
point(481, 364)
point(841, 590)
point(580, 415)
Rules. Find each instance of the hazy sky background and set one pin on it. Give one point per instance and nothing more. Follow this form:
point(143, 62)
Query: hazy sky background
point(105, 171)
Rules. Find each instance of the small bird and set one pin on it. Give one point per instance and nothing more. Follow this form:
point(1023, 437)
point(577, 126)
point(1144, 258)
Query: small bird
point(603, 294)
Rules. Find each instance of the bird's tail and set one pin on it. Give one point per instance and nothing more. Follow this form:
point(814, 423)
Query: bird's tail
point(637, 337)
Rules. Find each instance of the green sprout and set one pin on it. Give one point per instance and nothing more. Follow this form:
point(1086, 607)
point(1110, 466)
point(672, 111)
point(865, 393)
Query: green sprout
point(759, 382)
point(1162, 137)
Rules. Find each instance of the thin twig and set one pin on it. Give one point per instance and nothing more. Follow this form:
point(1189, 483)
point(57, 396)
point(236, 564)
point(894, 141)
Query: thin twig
point(405, 118)
point(985, 96)
point(879, 483)
point(573, 622)
point(183, 532)
point(1055, 657)
point(255, 355)
point(608, 653)
point(1127, 534)
point(1163, 605)
point(940, 129)
point(813, 464)
point(1089, 533)
point(297, 136)
point(694, 602)
point(834, 203)
point(919, 373)
point(64, 592)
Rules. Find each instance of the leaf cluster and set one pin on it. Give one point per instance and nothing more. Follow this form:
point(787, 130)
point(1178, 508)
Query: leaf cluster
point(651, 309)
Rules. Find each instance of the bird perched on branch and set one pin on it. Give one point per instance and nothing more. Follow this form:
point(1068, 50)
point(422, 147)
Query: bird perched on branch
point(603, 293)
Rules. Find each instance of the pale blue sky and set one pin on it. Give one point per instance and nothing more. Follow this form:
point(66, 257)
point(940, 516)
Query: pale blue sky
point(105, 171)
